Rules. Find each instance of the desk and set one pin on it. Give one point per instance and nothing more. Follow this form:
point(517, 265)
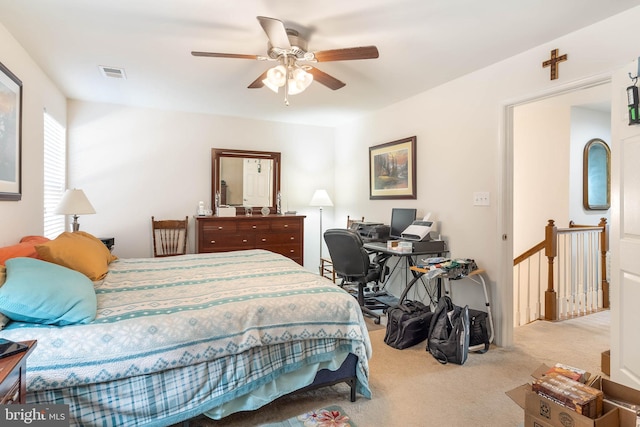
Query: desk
point(406, 258)
point(381, 248)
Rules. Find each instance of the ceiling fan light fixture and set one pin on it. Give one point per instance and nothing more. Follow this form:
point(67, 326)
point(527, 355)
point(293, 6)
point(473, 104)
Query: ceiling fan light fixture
point(299, 80)
point(277, 76)
point(268, 83)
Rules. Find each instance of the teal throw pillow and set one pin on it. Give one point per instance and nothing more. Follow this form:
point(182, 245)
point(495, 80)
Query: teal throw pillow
point(37, 291)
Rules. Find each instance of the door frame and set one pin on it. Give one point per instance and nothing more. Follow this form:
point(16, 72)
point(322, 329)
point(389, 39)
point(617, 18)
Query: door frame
point(504, 336)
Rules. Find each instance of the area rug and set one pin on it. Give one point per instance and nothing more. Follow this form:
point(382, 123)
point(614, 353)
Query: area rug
point(331, 416)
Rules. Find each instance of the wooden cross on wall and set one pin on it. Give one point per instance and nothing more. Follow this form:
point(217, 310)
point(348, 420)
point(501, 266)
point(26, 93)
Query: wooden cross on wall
point(553, 62)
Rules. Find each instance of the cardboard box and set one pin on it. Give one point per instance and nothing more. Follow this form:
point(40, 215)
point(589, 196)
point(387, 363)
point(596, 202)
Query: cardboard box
point(541, 411)
point(605, 362)
point(626, 399)
point(546, 412)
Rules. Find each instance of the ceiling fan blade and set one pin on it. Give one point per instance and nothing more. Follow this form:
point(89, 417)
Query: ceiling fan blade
point(347, 54)
point(276, 32)
point(224, 55)
point(325, 79)
point(257, 83)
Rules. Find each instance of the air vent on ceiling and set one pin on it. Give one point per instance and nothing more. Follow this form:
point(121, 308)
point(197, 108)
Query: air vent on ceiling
point(113, 72)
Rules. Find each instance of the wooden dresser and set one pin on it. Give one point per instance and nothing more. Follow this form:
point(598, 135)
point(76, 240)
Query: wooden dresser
point(283, 234)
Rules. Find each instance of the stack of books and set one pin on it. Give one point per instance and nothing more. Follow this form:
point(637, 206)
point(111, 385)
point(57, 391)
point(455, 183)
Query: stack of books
point(570, 393)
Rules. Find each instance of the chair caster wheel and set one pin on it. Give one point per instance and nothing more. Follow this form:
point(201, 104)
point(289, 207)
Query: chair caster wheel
point(376, 321)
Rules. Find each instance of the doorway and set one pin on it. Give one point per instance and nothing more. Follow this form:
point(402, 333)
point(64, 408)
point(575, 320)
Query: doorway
point(541, 176)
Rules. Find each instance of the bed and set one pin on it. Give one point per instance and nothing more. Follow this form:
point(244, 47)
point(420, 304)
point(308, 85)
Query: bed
point(177, 337)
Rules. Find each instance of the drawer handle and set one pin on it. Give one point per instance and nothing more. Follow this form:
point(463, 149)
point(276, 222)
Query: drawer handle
point(219, 227)
point(286, 225)
point(264, 240)
point(292, 238)
point(254, 226)
point(244, 240)
point(213, 242)
point(291, 251)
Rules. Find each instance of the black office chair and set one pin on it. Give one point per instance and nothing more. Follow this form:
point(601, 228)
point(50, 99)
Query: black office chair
point(351, 263)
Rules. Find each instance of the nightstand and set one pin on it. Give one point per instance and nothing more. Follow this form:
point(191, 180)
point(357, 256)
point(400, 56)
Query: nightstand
point(108, 242)
point(13, 382)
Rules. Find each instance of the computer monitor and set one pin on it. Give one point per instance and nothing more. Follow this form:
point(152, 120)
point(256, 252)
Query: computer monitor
point(401, 218)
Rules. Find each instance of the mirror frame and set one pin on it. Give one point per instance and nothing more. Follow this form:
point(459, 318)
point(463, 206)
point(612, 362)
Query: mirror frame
point(587, 179)
point(218, 153)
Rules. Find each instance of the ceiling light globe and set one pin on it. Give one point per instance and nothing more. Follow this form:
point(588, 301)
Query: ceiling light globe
point(277, 76)
point(299, 81)
point(270, 85)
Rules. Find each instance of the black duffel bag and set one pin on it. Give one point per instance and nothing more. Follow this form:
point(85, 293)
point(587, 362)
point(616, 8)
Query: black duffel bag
point(449, 332)
point(407, 324)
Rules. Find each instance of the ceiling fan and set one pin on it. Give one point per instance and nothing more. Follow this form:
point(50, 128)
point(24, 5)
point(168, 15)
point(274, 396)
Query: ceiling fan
point(289, 49)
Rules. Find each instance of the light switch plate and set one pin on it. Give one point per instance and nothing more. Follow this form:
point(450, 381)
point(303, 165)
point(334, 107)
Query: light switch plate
point(481, 198)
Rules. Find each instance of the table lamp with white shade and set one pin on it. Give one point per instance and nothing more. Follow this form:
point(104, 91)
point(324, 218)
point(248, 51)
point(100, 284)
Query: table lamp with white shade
point(74, 202)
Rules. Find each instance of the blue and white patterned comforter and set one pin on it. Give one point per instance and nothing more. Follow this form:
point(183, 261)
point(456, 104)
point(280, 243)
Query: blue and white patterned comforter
point(159, 314)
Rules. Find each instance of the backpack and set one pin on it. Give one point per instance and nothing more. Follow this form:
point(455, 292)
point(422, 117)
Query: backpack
point(407, 324)
point(448, 339)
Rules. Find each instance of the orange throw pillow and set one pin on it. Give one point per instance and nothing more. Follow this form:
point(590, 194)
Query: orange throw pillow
point(26, 248)
point(78, 251)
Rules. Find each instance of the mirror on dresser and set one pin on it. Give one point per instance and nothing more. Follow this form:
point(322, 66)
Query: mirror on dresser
point(244, 178)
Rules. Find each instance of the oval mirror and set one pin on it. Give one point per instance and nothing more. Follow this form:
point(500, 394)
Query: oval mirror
point(245, 178)
point(596, 187)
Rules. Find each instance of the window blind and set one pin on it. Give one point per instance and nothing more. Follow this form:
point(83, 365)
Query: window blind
point(55, 171)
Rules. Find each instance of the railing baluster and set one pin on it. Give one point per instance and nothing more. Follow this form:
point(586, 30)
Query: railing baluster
point(576, 274)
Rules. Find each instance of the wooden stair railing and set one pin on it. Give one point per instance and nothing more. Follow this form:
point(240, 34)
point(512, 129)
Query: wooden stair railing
point(550, 247)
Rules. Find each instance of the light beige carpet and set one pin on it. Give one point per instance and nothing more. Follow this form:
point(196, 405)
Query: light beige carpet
point(410, 388)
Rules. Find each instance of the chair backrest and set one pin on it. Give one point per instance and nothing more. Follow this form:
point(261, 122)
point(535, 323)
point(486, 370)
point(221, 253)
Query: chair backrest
point(169, 236)
point(349, 258)
point(351, 221)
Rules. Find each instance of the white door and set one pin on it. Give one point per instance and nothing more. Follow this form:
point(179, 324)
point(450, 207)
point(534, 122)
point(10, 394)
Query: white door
point(256, 181)
point(625, 235)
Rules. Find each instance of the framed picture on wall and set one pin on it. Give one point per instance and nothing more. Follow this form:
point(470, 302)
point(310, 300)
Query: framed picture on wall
point(10, 135)
point(392, 170)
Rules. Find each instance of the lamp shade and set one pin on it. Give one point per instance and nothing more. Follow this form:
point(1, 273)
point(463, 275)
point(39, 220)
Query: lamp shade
point(321, 198)
point(74, 202)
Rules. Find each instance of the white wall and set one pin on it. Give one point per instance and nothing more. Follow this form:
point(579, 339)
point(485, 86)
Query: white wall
point(134, 163)
point(549, 136)
point(540, 170)
point(465, 145)
point(586, 124)
point(24, 217)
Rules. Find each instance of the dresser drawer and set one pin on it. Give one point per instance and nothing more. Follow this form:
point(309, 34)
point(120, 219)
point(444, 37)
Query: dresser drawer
point(11, 394)
point(292, 251)
point(276, 238)
point(219, 227)
point(286, 225)
point(254, 226)
point(219, 242)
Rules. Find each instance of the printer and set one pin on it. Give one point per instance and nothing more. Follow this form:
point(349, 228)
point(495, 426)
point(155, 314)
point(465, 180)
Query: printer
point(419, 233)
point(371, 231)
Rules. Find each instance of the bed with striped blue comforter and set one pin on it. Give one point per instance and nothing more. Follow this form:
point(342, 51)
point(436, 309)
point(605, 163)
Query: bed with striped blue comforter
point(208, 333)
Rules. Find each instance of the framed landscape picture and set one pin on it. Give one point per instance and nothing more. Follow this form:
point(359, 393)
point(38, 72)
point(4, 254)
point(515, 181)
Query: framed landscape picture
point(392, 170)
point(10, 135)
